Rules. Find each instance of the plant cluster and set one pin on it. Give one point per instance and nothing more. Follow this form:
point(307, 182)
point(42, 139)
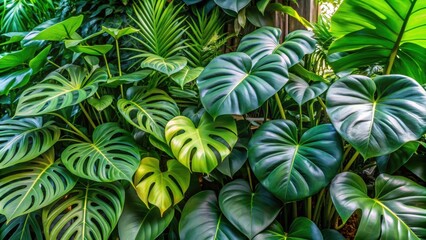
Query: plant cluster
point(152, 129)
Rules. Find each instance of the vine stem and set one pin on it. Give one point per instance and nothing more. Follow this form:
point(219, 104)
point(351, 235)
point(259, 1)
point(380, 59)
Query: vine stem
point(317, 205)
point(280, 106)
point(294, 205)
point(249, 176)
point(78, 132)
point(301, 119)
point(107, 66)
point(309, 208)
point(87, 116)
point(54, 64)
point(351, 161)
point(120, 73)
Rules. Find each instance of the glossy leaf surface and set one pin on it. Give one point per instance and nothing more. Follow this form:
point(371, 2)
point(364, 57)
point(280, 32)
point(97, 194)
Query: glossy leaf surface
point(22, 228)
point(233, 5)
point(377, 116)
point(301, 91)
point(112, 155)
point(393, 161)
point(301, 229)
point(397, 210)
point(202, 220)
point(249, 211)
point(167, 66)
point(186, 75)
point(294, 169)
point(61, 30)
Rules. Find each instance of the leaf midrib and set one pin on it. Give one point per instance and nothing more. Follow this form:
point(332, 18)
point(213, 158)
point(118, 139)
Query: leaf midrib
point(106, 158)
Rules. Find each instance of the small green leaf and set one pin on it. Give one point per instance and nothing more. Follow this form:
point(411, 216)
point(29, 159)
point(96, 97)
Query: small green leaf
point(291, 12)
point(235, 160)
point(261, 5)
point(25, 139)
point(301, 91)
point(203, 147)
point(167, 66)
point(61, 30)
point(250, 212)
point(30, 186)
point(186, 75)
point(38, 61)
point(202, 219)
point(163, 189)
point(301, 229)
point(96, 50)
point(101, 103)
point(118, 33)
point(112, 156)
point(130, 78)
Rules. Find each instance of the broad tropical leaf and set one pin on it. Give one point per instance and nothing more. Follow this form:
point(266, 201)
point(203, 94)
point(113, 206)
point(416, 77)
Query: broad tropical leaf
point(163, 189)
point(25, 227)
point(301, 229)
point(265, 41)
point(57, 92)
point(118, 33)
point(203, 147)
point(30, 186)
point(387, 32)
point(139, 222)
point(61, 30)
point(167, 66)
point(202, 220)
point(149, 111)
point(233, 84)
point(24, 139)
point(391, 162)
point(377, 117)
point(9, 60)
point(294, 169)
point(301, 91)
point(112, 155)
point(15, 79)
point(101, 103)
point(233, 5)
point(90, 211)
point(186, 75)
point(398, 210)
point(249, 211)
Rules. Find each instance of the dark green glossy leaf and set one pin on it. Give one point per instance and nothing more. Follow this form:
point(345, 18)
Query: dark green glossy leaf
point(101, 103)
point(241, 86)
point(294, 169)
point(301, 229)
point(249, 211)
point(391, 162)
point(163, 189)
point(61, 30)
point(25, 139)
point(90, 211)
point(256, 18)
point(301, 91)
point(332, 234)
point(235, 160)
point(30, 186)
point(130, 78)
point(202, 220)
point(233, 5)
point(417, 166)
point(397, 211)
point(265, 41)
point(377, 117)
point(14, 79)
point(139, 222)
point(167, 66)
point(149, 111)
point(201, 148)
point(25, 227)
point(112, 156)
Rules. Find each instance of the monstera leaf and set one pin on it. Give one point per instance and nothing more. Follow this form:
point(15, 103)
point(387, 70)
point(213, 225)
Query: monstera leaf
point(57, 92)
point(294, 169)
point(27, 187)
point(301, 229)
point(161, 188)
point(167, 66)
point(233, 84)
point(149, 111)
point(22, 228)
point(396, 212)
point(377, 117)
point(111, 156)
point(265, 41)
point(387, 32)
point(202, 220)
point(301, 91)
point(14, 79)
point(139, 222)
point(90, 211)
point(24, 139)
point(203, 147)
point(250, 212)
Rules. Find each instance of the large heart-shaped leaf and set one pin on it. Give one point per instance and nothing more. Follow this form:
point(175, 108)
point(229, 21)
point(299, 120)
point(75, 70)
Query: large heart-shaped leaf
point(167, 66)
point(266, 40)
point(61, 30)
point(90, 211)
point(232, 84)
point(57, 92)
point(202, 220)
point(377, 117)
point(398, 210)
point(385, 32)
point(233, 5)
point(391, 162)
point(139, 222)
point(249, 211)
point(203, 147)
point(27, 187)
point(25, 227)
point(301, 91)
point(24, 139)
point(149, 111)
point(294, 169)
point(161, 188)
point(113, 155)
point(301, 229)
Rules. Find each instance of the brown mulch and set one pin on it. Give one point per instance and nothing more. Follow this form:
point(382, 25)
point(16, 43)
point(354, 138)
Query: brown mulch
point(349, 230)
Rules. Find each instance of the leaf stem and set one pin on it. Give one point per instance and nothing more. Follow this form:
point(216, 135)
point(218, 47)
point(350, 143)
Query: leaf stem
point(309, 208)
point(54, 64)
point(107, 66)
point(294, 208)
point(280, 106)
point(317, 205)
point(249, 176)
point(87, 116)
point(120, 73)
point(351, 161)
point(300, 119)
point(78, 132)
